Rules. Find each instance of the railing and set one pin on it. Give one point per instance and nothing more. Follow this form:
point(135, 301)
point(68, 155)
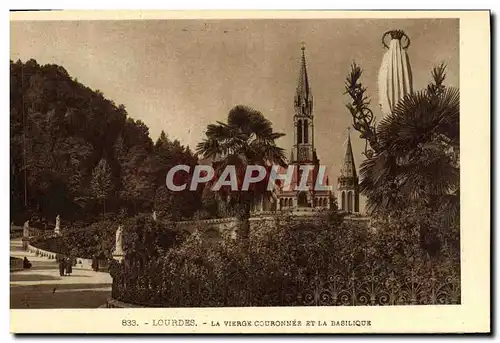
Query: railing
point(333, 290)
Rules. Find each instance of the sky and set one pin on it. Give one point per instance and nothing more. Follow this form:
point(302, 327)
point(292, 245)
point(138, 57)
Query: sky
point(181, 75)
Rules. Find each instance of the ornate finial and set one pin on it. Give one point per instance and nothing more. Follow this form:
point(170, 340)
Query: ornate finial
point(396, 34)
point(302, 46)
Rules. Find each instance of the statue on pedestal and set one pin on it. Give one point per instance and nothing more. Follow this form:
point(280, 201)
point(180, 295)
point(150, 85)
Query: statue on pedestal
point(26, 235)
point(26, 229)
point(154, 215)
point(118, 242)
point(57, 229)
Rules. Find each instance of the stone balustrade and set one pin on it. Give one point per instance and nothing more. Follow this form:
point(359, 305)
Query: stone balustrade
point(41, 253)
point(81, 263)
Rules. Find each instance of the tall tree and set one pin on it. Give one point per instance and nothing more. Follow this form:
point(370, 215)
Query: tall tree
point(101, 184)
point(59, 130)
point(247, 139)
point(174, 205)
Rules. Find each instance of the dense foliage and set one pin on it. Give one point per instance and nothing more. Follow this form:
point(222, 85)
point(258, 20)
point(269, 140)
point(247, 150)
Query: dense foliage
point(77, 154)
point(412, 169)
point(288, 262)
point(98, 239)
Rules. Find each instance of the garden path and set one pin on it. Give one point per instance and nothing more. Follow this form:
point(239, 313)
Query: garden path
point(41, 286)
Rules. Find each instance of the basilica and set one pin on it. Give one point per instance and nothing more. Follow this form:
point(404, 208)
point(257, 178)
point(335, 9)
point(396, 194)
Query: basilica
point(303, 156)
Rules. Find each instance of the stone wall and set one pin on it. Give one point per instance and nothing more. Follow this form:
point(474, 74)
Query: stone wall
point(217, 228)
point(210, 228)
point(16, 264)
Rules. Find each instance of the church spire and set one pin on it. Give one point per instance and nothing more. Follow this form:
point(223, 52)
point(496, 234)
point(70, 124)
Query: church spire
point(348, 187)
point(348, 168)
point(303, 95)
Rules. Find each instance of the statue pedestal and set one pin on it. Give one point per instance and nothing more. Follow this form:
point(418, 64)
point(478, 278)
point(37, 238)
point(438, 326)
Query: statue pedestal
point(26, 242)
point(118, 255)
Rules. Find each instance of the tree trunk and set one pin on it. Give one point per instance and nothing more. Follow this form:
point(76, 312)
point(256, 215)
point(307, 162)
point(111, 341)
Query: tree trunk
point(244, 224)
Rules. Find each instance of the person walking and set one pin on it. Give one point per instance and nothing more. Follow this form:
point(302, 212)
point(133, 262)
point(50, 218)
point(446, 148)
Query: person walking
point(95, 263)
point(61, 265)
point(69, 266)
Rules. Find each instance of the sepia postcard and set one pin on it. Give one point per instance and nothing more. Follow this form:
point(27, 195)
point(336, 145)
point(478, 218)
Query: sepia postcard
point(250, 172)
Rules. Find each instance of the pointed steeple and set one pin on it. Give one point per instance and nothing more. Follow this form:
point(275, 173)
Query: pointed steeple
point(348, 168)
point(303, 94)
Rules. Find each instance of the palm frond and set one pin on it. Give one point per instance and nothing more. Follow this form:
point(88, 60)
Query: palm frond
point(247, 138)
point(418, 144)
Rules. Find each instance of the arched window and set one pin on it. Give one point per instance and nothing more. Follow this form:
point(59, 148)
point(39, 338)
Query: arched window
point(343, 202)
point(316, 202)
point(299, 131)
point(281, 203)
point(349, 202)
point(356, 203)
point(306, 131)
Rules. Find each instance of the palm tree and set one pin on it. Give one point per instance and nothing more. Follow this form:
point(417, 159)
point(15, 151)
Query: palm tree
point(247, 139)
point(417, 157)
point(412, 170)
